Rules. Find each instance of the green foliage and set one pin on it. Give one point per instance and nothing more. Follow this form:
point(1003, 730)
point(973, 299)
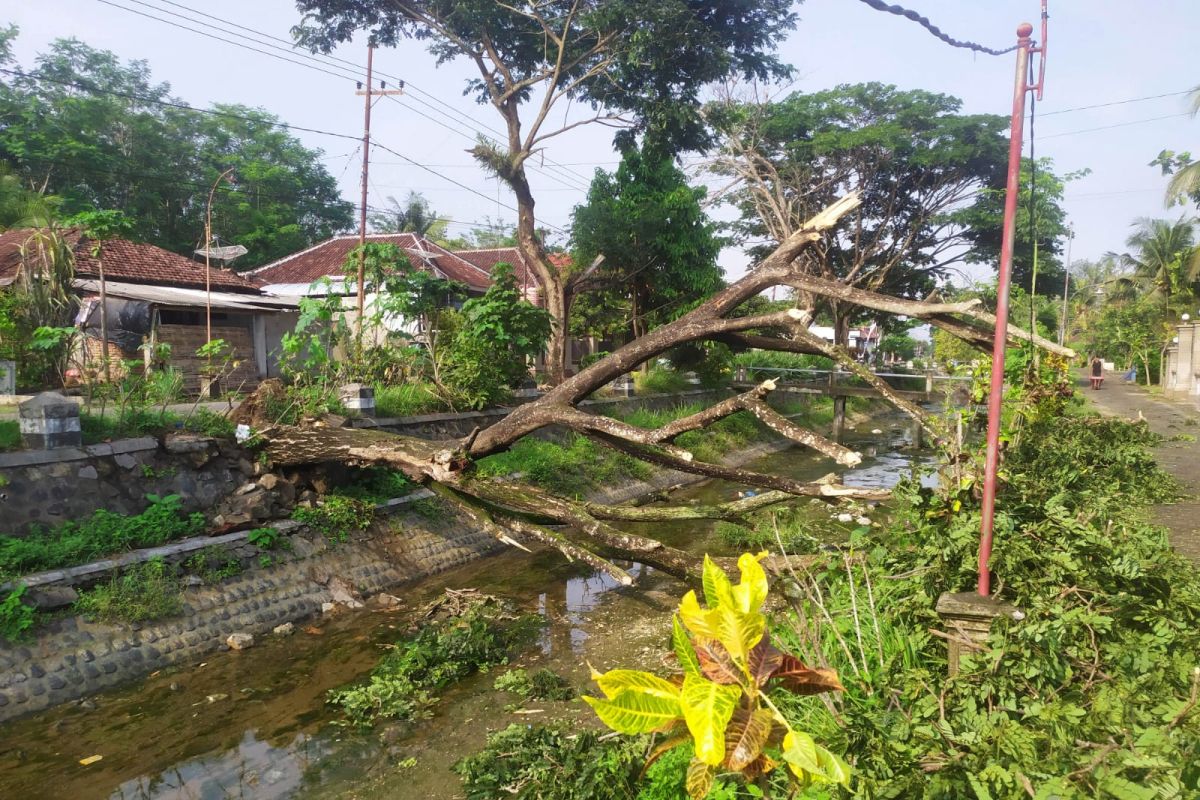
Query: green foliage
point(551, 763)
point(16, 618)
point(571, 467)
point(722, 704)
point(777, 360)
point(212, 564)
point(148, 591)
point(10, 435)
point(404, 684)
point(89, 125)
point(101, 534)
point(660, 249)
point(543, 684)
point(407, 400)
point(497, 335)
point(337, 516)
point(264, 538)
point(984, 220)
point(374, 485)
point(414, 215)
point(1105, 653)
point(660, 380)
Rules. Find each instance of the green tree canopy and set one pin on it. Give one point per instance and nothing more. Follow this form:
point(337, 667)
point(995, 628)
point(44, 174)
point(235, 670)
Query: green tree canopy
point(912, 154)
point(984, 221)
point(660, 249)
point(414, 215)
point(95, 132)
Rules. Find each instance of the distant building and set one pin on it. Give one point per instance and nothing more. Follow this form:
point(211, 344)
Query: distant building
point(158, 297)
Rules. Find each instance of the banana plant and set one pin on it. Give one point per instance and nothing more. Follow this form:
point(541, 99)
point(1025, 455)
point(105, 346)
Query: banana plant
point(721, 702)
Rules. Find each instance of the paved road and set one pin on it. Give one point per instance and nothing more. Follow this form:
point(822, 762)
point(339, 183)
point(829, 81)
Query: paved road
point(1180, 458)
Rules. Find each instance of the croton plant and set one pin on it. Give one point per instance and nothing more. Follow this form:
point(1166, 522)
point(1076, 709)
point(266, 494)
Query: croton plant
point(721, 702)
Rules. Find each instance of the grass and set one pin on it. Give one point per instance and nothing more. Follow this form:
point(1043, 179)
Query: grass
point(10, 435)
point(101, 534)
point(660, 380)
point(407, 400)
point(147, 591)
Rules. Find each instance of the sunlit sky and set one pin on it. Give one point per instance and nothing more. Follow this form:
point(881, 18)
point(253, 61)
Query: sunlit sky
point(1101, 51)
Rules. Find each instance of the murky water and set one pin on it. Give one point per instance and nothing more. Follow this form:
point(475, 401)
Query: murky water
point(254, 724)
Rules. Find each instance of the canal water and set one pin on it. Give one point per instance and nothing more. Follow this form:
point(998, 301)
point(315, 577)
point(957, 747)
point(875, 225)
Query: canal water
point(254, 724)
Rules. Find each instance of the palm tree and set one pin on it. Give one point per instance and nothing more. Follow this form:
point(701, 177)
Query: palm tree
point(1165, 260)
point(1186, 182)
point(414, 215)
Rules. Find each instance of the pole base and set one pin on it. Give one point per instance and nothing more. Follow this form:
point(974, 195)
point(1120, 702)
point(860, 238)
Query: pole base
point(968, 617)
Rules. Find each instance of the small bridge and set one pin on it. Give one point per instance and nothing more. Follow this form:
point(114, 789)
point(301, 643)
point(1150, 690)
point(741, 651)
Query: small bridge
point(920, 387)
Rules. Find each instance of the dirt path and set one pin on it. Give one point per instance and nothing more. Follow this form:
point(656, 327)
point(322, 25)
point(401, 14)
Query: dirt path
point(1178, 456)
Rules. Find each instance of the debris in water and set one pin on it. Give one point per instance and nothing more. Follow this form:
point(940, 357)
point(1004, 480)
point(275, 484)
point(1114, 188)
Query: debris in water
point(90, 760)
point(313, 630)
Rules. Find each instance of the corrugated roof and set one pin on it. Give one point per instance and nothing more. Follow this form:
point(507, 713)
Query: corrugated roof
point(327, 259)
point(189, 298)
point(126, 261)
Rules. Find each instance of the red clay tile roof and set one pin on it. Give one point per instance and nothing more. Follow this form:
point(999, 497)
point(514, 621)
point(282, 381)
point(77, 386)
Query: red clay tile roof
point(487, 260)
point(125, 261)
point(326, 260)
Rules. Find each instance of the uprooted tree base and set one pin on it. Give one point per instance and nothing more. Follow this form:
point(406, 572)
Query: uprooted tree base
point(520, 514)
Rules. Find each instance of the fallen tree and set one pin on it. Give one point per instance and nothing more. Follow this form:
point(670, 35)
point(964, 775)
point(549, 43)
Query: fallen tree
point(518, 513)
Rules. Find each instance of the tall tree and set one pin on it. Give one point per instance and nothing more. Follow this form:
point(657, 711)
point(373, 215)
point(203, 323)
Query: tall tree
point(912, 154)
point(659, 248)
point(94, 131)
point(623, 59)
point(1040, 218)
point(1185, 183)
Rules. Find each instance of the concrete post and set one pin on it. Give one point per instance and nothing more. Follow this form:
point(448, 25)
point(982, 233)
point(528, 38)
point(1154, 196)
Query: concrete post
point(50, 420)
point(358, 397)
point(1183, 368)
point(8, 377)
point(929, 381)
point(623, 386)
point(1170, 369)
point(968, 617)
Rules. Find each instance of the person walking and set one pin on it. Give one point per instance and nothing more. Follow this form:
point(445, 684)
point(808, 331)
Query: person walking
point(1097, 367)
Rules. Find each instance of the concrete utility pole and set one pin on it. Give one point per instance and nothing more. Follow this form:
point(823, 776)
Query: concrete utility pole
point(1062, 328)
point(1025, 49)
point(367, 93)
point(207, 251)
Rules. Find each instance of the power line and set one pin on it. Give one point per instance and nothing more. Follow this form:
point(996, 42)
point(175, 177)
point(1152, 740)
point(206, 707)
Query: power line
point(290, 50)
point(1116, 103)
point(924, 22)
point(186, 107)
point(1118, 125)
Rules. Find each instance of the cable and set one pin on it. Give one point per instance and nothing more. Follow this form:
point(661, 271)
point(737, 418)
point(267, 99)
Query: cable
point(1116, 103)
point(290, 50)
point(924, 22)
point(1118, 125)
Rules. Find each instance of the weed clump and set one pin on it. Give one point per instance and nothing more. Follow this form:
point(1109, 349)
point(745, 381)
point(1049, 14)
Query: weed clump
point(147, 591)
point(543, 684)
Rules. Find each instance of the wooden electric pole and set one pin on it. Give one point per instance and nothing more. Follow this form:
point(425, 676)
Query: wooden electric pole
point(368, 92)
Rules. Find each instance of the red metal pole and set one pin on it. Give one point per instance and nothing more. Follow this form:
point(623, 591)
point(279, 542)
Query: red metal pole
point(996, 396)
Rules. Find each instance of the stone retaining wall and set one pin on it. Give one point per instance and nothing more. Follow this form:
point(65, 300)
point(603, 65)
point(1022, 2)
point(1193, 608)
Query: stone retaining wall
point(49, 487)
point(73, 658)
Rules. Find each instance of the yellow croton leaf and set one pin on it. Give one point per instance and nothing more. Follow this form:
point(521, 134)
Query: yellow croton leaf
point(800, 753)
point(699, 779)
point(707, 707)
point(695, 618)
point(749, 595)
point(632, 711)
point(616, 681)
point(739, 632)
point(718, 591)
point(689, 662)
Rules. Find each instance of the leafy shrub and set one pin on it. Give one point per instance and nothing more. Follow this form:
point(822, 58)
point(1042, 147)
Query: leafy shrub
point(777, 360)
point(101, 534)
point(210, 423)
point(337, 516)
point(147, 591)
point(15, 617)
point(403, 685)
point(544, 684)
point(571, 467)
point(263, 538)
point(551, 763)
point(212, 564)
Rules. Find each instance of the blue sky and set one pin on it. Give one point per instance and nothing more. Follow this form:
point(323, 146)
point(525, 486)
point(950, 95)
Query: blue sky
point(1100, 51)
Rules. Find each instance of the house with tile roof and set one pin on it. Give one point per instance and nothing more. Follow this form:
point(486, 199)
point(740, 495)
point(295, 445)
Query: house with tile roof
point(319, 271)
point(486, 259)
point(158, 297)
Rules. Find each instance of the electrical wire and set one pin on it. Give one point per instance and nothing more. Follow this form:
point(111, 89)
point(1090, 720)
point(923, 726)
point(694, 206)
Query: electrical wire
point(1116, 103)
point(924, 22)
point(1118, 125)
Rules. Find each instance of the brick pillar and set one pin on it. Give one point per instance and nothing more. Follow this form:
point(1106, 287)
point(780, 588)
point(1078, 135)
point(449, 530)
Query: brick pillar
point(968, 618)
point(50, 420)
point(1170, 368)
